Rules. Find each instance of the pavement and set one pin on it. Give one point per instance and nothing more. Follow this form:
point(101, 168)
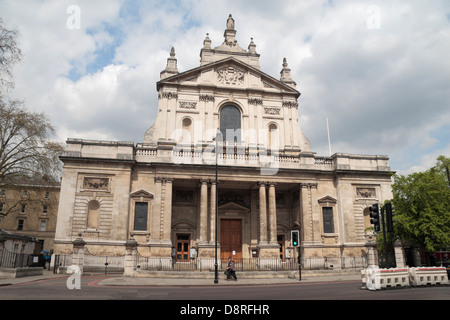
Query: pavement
point(186, 280)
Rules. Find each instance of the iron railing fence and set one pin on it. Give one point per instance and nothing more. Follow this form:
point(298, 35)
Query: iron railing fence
point(250, 264)
point(61, 261)
point(15, 260)
point(95, 263)
point(102, 263)
point(330, 263)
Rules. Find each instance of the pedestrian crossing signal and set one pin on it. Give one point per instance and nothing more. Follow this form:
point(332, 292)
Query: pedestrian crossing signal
point(295, 238)
point(375, 217)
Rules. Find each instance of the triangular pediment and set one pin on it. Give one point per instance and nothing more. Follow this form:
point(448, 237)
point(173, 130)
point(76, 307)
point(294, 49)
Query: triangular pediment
point(233, 206)
point(229, 73)
point(327, 199)
point(141, 194)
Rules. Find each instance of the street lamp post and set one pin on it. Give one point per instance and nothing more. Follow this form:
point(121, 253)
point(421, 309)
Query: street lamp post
point(216, 276)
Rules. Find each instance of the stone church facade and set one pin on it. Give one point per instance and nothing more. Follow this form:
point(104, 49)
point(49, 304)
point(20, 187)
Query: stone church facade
point(225, 117)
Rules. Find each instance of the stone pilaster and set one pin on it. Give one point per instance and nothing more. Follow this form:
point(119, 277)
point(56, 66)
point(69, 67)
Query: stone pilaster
point(272, 215)
point(167, 223)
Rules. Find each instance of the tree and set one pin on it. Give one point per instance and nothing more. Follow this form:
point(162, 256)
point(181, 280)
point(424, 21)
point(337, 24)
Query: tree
point(27, 155)
point(10, 54)
point(422, 207)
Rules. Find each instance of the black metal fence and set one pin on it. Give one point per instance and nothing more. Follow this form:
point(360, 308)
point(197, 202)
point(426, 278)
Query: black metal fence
point(61, 261)
point(251, 264)
point(16, 260)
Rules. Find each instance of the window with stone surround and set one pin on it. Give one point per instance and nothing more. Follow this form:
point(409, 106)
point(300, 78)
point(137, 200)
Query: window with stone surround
point(327, 217)
point(140, 216)
point(230, 124)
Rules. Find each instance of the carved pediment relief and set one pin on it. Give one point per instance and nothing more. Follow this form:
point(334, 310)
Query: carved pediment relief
point(231, 76)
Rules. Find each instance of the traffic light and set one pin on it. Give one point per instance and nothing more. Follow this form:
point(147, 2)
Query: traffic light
point(295, 238)
point(375, 217)
point(389, 217)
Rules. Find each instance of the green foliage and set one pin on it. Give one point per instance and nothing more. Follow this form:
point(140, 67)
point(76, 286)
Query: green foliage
point(422, 207)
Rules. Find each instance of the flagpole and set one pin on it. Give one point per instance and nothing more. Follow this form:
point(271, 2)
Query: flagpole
point(329, 143)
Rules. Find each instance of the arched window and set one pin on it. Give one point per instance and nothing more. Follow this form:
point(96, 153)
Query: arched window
point(93, 214)
point(273, 142)
point(230, 124)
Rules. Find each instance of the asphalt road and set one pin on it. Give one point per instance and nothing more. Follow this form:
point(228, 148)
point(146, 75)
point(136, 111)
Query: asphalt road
point(231, 301)
point(91, 288)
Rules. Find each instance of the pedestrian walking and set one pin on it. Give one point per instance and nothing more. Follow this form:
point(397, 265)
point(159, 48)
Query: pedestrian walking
point(231, 273)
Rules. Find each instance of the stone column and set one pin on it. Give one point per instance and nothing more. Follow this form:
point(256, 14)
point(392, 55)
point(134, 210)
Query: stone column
point(272, 214)
point(203, 211)
point(130, 257)
point(262, 214)
point(212, 227)
point(399, 254)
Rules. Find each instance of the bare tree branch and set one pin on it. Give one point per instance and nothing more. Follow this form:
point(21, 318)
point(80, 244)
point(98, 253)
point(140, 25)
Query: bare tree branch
point(10, 54)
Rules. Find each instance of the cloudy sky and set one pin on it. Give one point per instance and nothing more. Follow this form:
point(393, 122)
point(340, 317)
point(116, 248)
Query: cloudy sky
point(378, 70)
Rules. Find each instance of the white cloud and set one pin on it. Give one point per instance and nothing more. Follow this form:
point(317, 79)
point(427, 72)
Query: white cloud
point(384, 90)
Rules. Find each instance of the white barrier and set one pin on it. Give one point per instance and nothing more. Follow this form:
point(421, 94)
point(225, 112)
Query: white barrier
point(374, 278)
point(423, 276)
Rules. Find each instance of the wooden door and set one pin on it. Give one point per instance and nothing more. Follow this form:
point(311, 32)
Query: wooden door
point(182, 247)
point(230, 238)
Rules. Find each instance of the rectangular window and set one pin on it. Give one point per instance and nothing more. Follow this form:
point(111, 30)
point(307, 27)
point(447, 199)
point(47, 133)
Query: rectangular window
point(43, 226)
point(2, 192)
point(44, 209)
point(46, 195)
point(140, 216)
point(20, 224)
point(328, 225)
point(22, 209)
point(24, 194)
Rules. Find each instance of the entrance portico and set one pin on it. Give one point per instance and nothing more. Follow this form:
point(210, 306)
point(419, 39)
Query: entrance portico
point(247, 215)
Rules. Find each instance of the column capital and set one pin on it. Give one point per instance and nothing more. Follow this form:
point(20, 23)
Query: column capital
point(163, 180)
point(309, 185)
